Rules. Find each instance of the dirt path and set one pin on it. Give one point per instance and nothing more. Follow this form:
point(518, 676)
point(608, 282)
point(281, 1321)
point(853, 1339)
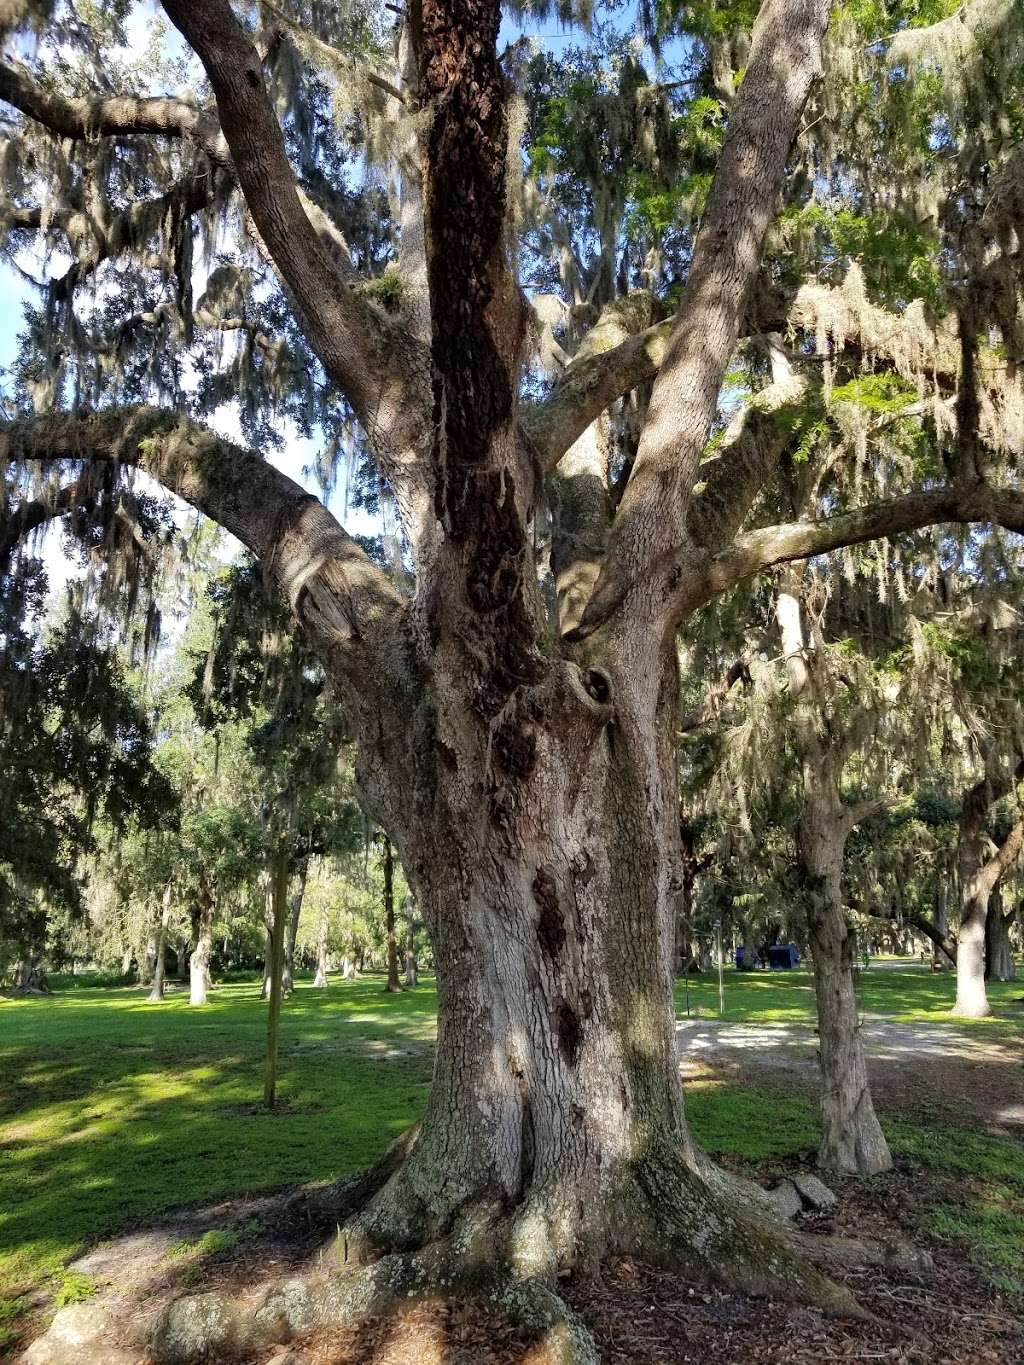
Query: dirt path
point(968, 1072)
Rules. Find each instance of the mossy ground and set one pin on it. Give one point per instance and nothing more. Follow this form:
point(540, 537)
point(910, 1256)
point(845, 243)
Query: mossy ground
point(113, 1110)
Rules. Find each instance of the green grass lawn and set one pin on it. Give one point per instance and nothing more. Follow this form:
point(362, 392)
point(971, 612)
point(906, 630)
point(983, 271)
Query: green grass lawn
point(910, 995)
point(113, 1110)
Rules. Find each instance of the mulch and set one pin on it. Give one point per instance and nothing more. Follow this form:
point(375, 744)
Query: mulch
point(642, 1315)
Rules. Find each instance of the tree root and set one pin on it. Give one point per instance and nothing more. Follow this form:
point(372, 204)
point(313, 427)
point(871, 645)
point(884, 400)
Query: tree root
point(211, 1327)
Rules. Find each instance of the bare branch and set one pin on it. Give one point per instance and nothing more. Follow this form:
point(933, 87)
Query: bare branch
point(111, 116)
point(590, 384)
point(27, 517)
point(334, 589)
point(758, 550)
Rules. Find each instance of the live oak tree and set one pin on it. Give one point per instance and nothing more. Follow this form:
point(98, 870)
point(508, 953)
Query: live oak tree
point(516, 725)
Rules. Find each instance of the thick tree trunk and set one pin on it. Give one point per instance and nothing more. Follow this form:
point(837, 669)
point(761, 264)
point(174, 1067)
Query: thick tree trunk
point(971, 996)
point(411, 971)
point(393, 982)
point(544, 863)
point(348, 969)
point(199, 963)
point(320, 980)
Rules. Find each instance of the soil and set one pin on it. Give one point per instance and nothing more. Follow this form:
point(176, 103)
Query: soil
point(640, 1315)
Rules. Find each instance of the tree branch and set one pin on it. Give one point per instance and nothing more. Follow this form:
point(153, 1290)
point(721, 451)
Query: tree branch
point(593, 381)
point(332, 586)
point(111, 116)
point(759, 550)
point(648, 536)
point(27, 517)
point(336, 319)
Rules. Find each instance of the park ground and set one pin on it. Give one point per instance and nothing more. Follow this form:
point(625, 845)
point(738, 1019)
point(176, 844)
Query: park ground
point(136, 1160)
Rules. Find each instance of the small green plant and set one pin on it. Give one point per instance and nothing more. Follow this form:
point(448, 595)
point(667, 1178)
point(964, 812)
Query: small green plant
point(73, 1287)
point(10, 1310)
point(214, 1241)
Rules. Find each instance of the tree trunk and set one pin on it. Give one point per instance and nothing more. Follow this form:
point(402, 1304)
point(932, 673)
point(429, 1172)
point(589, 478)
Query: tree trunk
point(544, 864)
point(160, 964)
point(999, 964)
point(199, 963)
point(126, 960)
point(852, 1140)
point(393, 982)
point(287, 972)
point(971, 996)
point(320, 980)
point(348, 969)
point(279, 898)
point(411, 973)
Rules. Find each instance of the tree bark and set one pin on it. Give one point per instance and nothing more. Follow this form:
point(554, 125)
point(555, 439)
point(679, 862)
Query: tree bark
point(981, 867)
point(393, 982)
point(199, 962)
point(160, 966)
point(852, 1140)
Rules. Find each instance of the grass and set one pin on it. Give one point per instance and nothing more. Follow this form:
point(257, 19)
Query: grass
point(903, 994)
point(113, 1110)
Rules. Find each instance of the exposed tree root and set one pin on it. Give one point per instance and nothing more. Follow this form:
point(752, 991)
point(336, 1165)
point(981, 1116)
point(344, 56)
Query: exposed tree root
point(673, 1208)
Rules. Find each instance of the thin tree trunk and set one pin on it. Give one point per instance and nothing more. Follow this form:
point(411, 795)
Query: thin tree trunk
point(199, 963)
point(852, 1139)
point(411, 972)
point(999, 964)
point(287, 976)
point(160, 967)
point(320, 980)
point(393, 982)
point(279, 896)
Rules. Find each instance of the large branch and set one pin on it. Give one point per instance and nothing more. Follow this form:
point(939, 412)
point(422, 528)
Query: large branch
point(648, 537)
point(760, 549)
point(333, 587)
point(336, 320)
point(591, 383)
point(20, 522)
point(114, 115)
